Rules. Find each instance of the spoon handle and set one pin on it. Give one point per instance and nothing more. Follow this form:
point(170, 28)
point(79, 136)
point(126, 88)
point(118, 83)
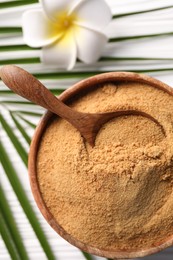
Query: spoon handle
point(27, 86)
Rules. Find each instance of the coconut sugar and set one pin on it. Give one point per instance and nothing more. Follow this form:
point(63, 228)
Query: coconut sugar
point(119, 194)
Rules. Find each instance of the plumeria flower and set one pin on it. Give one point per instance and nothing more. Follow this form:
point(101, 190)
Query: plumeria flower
point(67, 30)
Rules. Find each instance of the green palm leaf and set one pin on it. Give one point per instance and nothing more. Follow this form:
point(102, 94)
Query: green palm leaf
point(22, 197)
point(142, 12)
point(8, 240)
point(16, 3)
point(18, 146)
point(8, 222)
point(21, 129)
point(27, 121)
point(87, 256)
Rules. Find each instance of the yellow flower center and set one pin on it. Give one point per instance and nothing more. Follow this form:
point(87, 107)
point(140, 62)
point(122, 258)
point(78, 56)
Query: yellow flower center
point(63, 25)
point(65, 21)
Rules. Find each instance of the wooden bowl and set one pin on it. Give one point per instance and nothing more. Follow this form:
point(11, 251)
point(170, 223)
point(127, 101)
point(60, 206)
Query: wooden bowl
point(65, 96)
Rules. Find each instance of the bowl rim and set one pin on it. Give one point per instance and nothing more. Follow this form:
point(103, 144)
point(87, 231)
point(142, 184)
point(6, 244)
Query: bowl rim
point(32, 160)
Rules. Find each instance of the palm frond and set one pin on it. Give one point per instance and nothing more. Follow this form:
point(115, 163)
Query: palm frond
point(13, 232)
point(118, 39)
point(87, 256)
point(116, 16)
point(27, 121)
point(8, 240)
point(20, 61)
point(10, 4)
point(18, 47)
point(22, 197)
point(18, 146)
point(20, 128)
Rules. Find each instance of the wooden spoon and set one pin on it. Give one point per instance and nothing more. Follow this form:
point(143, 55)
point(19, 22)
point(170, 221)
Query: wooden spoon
point(27, 86)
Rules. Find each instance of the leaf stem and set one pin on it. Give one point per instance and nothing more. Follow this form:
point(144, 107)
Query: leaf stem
point(119, 39)
point(18, 102)
point(20, 61)
point(19, 47)
point(10, 30)
point(30, 113)
point(84, 74)
point(11, 4)
point(133, 59)
point(35, 60)
point(141, 12)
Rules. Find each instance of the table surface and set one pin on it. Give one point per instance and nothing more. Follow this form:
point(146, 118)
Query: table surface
point(152, 55)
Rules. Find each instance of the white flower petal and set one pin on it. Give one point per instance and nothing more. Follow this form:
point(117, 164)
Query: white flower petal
point(62, 53)
point(38, 30)
point(54, 8)
point(90, 44)
point(95, 14)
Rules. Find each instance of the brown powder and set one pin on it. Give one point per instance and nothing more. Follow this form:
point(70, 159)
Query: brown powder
point(119, 194)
